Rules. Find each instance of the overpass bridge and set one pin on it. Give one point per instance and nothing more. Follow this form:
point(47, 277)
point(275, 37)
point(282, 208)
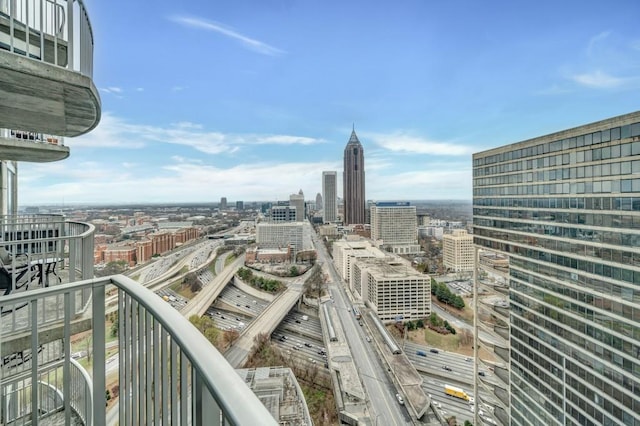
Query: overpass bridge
point(265, 323)
point(205, 297)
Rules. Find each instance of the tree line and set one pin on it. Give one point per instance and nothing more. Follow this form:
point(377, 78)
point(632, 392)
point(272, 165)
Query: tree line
point(444, 295)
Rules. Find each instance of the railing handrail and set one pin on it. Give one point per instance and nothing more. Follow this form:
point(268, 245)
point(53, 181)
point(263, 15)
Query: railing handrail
point(58, 22)
point(237, 401)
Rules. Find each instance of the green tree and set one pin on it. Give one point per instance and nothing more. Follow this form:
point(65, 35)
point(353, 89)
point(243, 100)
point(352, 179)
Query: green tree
point(293, 271)
point(207, 327)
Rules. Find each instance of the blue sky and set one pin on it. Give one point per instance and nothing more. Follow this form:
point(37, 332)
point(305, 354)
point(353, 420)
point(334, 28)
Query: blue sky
point(252, 100)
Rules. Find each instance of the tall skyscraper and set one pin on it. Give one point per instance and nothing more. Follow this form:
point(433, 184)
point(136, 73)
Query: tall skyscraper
point(565, 209)
point(353, 182)
point(318, 201)
point(330, 196)
point(223, 203)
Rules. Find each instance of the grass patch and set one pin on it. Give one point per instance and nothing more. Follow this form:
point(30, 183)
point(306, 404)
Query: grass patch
point(212, 267)
point(229, 260)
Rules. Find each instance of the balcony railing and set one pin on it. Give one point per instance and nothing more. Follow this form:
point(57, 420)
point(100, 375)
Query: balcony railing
point(46, 30)
point(38, 251)
point(165, 371)
point(32, 136)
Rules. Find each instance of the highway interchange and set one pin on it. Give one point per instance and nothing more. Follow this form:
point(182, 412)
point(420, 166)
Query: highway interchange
point(302, 339)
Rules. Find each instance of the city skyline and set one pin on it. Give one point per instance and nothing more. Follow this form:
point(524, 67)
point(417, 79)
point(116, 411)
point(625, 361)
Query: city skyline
point(206, 100)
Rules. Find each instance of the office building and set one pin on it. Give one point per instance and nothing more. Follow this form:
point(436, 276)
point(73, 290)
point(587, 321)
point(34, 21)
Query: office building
point(345, 252)
point(565, 209)
point(329, 197)
point(297, 201)
point(167, 371)
point(318, 205)
point(239, 205)
point(458, 251)
point(282, 214)
point(278, 235)
point(392, 288)
point(223, 203)
point(394, 227)
point(353, 182)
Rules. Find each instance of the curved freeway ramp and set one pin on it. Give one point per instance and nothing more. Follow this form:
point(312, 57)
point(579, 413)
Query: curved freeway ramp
point(205, 298)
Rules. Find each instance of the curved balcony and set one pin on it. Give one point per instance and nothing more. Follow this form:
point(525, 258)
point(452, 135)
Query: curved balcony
point(46, 67)
point(165, 371)
point(19, 145)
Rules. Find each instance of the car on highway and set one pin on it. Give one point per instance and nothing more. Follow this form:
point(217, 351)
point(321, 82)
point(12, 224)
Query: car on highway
point(368, 339)
point(399, 398)
point(433, 351)
point(446, 367)
point(309, 345)
point(296, 348)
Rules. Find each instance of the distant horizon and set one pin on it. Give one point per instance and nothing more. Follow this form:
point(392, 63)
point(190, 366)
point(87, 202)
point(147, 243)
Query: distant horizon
point(230, 204)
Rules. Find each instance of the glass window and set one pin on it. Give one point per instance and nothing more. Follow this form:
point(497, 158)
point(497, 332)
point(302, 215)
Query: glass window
point(588, 139)
point(615, 168)
point(625, 167)
point(625, 131)
point(606, 135)
point(625, 150)
point(635, 167)
point(597, 137)
point(615, 133)
point(615, 151)
point(606, 153)
point(635, 129)
point(635, 148)
point(625, 185)
point(596, 154)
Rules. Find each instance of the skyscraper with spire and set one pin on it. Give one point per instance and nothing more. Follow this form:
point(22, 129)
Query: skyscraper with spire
point(353, 181)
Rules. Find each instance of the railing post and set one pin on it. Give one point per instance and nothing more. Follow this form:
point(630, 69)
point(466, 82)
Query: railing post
point(70, 36)
point(206, 410)
point(99, 361)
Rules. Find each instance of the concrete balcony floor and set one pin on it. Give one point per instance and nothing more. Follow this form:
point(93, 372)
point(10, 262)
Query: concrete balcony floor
point(40, 97)
point(27, 150)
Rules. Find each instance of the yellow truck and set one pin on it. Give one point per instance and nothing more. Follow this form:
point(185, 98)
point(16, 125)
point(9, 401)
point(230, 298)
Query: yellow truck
point(457, 392)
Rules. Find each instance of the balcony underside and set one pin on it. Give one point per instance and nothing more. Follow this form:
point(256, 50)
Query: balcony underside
point(41, 97)
point(37, 152)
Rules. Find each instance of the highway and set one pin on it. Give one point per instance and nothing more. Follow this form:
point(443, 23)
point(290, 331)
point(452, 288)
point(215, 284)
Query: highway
point(265, 323)
point(383, 406)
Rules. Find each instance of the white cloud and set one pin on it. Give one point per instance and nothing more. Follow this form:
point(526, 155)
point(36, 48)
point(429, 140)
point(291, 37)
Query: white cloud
point(112, 90)
point(181, 180)
point(598, 79)
point(116, 132)
point(250, 43)
point(399, 142)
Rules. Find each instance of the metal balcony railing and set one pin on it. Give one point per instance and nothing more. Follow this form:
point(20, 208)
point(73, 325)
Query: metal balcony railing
point(54, 31)
point(165, 371)
point(31, 136)
point(38, 251)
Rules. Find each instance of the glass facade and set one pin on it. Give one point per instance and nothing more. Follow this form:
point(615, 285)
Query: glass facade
point(565, 209)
